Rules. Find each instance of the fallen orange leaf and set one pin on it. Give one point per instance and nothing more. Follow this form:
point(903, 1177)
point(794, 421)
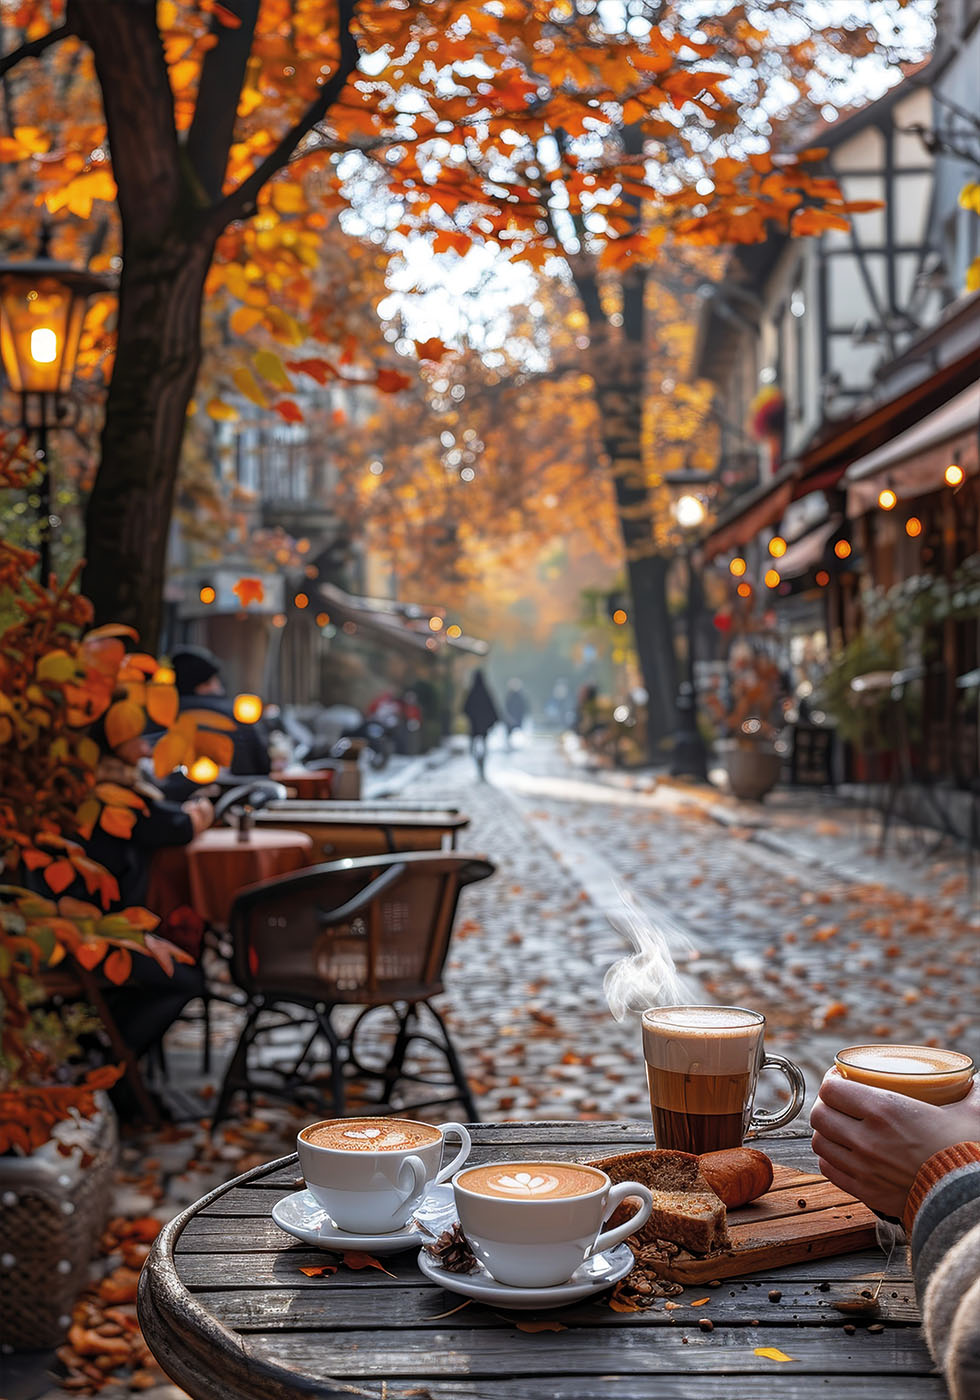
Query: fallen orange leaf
point(354, 1259)
point(320, 1270)
point(773, 1354)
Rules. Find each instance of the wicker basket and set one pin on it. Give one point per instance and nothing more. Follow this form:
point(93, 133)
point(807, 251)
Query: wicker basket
point(52, 1210)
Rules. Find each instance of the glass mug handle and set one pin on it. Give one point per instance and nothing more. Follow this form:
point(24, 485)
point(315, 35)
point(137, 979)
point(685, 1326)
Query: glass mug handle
point(763, 1122)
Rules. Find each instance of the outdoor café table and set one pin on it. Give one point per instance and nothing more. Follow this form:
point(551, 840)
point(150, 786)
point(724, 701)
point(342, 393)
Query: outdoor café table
point(220, 863)
point(368, 831)
point(228, 1314)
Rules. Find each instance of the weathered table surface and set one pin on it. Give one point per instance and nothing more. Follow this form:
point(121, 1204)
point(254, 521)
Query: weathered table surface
point(229, 1316)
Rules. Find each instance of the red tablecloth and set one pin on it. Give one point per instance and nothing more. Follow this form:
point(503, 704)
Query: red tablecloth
point(307, 783)
point(220, 864)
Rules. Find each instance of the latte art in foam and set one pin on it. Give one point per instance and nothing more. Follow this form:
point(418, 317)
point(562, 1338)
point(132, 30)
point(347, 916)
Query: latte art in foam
point(370, 1134)
point(531, 1181)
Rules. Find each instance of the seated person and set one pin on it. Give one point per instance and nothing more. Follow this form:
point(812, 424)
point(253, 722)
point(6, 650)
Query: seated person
point(200, 687)
point(918, 1163)
point(151, 998)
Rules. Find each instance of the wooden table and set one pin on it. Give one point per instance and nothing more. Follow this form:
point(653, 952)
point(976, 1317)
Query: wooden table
point(220, 864)
point(228, 1314)
point(309, 784)
point(369, 831)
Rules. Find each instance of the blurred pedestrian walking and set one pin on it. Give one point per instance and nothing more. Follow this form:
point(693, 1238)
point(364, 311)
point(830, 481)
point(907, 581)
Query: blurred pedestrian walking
point(515, 709)
point(481, 711)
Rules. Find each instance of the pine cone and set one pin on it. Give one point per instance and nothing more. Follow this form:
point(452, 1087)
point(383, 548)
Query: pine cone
point(452, 1252)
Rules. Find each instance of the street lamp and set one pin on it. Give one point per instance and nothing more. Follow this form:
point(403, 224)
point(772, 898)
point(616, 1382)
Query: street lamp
point(42, 308)
point(689, 757)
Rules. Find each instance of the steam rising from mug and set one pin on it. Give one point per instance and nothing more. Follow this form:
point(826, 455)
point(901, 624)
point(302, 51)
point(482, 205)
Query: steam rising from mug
point(647, 977)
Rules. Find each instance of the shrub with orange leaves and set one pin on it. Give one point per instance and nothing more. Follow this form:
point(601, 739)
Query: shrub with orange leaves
point(56, 678)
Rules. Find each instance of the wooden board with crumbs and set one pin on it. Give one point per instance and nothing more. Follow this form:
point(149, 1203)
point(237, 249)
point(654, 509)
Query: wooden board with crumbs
point(801, 1216)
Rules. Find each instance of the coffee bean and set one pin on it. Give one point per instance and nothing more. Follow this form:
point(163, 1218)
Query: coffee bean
point(714, 1283)
point(774, 1295)
point(849, 1328)
point(706, 1324)
point(876, 1327)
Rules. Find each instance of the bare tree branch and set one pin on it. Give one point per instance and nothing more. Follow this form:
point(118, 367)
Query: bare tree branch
point(33, 48)
point(222, 74)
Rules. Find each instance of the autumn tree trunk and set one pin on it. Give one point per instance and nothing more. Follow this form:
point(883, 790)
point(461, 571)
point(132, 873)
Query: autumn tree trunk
point(617, 358)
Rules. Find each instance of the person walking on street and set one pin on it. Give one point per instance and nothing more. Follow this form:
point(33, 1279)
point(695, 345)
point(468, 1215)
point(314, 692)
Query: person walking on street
point(481, 711)
point(515, 709)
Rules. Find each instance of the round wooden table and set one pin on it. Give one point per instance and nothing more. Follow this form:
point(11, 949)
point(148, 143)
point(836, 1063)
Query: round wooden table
point(228, 1312)
point(220, 863)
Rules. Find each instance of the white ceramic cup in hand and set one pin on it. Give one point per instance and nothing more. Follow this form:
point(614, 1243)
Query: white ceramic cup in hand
point(528, 1231)
point(374, 1173)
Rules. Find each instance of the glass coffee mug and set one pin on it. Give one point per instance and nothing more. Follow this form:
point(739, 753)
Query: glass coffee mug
point(703, 1065)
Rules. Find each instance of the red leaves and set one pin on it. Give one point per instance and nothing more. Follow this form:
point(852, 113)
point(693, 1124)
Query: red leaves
point(288, 410)
point(249, 590)
point(390, 381)
point(351, 1259)
point(59, 875)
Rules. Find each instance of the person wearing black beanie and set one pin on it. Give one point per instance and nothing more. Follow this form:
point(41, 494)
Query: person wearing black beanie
point(197, 674)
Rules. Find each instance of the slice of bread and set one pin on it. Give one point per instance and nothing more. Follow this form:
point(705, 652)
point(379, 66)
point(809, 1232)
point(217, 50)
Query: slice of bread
point(685, 1209)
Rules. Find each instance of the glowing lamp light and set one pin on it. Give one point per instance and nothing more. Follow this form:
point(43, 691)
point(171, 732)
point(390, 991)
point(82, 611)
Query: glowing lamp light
point(887, 499)
point(953, 474)
point(42, 310)
point(279, 620)
point(203, 770)
point(164, 676)
point(435, 624)
point(689, 512)
point(454, 630)
point(44, 346)
point(619, 617)
point(247, 709)
point(777, 546)
point(842, 549)
point(301, 601)
point(737, 567)
point(823, 578)
point(913, 527)
point(207, 594)
point(744, 590)
point(322, 619)
point(771, 579)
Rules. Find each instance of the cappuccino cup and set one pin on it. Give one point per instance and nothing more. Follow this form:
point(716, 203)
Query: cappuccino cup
point(703, 1064)
point(370, 1174)
point(918, 1071)
point(532, 1224)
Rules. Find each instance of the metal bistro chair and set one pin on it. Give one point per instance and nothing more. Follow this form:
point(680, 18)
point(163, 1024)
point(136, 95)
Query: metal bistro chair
point(370, 932)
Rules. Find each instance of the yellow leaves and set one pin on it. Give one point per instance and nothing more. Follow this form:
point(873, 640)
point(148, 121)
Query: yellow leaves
point(79, 194)
point(271, 368)
point(969, 197)
point(174, 750)
point(283, 326)
point(162, 704)
point(243, 318)
point(183, 74)
point(247, 385)
point(287, 197)
point(26, 141)
point(56, 666)
point(220, 411)
point(772, 1354)
point(816, 221)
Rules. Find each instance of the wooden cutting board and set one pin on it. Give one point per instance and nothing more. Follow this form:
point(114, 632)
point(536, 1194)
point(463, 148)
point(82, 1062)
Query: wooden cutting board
point(801, 1216)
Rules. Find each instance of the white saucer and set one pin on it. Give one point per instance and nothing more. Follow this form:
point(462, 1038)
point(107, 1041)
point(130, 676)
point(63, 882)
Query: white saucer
point(597, 1273)
point(302, 1216)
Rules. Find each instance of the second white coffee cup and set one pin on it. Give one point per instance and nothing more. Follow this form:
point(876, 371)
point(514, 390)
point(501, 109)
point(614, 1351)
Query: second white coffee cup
point(532, 1224)
point(371, 1174)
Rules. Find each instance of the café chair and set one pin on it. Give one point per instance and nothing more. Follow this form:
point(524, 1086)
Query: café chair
point(371, 932)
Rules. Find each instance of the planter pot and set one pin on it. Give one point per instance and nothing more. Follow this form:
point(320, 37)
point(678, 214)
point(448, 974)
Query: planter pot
point(52, 1210)
point(752, 772)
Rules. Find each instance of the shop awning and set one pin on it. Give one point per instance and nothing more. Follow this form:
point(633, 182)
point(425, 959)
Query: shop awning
point(913, 463)
point(757, 509)
point(806, 553)
point(402, 624)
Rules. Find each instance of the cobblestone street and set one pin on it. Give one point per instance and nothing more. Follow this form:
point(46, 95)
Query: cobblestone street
point(786, 908)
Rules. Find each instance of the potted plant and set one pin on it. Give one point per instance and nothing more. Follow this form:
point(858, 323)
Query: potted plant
point(747, 708)
point(57, 1131)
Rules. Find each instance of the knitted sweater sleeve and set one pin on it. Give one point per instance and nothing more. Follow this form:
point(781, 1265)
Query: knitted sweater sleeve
point(942, 1220)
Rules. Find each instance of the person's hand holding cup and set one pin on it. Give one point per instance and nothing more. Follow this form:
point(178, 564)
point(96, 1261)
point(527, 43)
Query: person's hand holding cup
point(883, 1110)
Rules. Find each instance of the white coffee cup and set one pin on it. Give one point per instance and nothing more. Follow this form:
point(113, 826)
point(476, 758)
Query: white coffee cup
point(375, 1190)
point(531, 1239)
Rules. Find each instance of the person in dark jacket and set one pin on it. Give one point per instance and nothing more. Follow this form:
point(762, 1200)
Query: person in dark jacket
point(515, 709)
point(481, 711)
point(200, 687)
point(151, 998)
